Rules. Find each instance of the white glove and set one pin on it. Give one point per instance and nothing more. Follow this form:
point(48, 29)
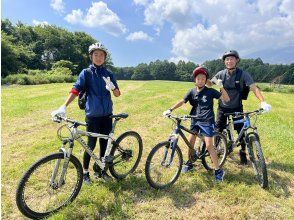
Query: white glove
point(166, 113)
point(61, 111)
point(217, 82)
point(109, 85)
point(266, 107)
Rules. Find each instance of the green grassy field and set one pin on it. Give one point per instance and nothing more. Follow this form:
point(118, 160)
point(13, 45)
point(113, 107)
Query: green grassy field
point(28, 134)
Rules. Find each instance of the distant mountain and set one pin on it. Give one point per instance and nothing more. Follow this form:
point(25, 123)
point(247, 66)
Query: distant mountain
point(275, 56)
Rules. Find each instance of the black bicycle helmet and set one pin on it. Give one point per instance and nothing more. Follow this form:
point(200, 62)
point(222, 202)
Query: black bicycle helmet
point(231, 53)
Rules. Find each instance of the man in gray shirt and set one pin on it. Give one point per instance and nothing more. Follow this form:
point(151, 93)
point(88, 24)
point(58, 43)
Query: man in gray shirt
point(227, 78)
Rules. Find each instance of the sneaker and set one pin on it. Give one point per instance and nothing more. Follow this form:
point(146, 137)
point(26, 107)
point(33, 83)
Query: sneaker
point(105, 176)
point(97, 171)
point(188, 166)
point(243, 158)
point(86, 178)
point(219, 175)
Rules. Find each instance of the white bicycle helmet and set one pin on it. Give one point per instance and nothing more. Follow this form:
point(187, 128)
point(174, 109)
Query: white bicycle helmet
point(98, 46)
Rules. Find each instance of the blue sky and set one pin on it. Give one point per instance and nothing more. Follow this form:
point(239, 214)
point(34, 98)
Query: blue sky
point(141, 31)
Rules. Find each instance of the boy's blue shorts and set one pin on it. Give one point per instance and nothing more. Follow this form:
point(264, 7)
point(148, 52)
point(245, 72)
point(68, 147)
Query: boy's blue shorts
point(206, 130)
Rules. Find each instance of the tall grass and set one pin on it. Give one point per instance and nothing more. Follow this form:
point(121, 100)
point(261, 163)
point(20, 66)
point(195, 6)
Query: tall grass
point(28, 134)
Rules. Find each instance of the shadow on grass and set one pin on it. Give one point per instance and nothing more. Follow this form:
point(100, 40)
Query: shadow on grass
point(181, 193)
point(278, 184)
point(289, 168)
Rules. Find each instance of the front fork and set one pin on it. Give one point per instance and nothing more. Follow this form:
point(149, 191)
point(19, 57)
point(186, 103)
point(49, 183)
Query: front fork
point(61, 178)
point(173, 140)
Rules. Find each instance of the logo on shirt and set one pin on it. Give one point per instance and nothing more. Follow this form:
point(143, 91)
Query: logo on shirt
point(204, 98)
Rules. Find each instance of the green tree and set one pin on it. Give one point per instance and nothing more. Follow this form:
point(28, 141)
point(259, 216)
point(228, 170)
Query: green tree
point(142, 72)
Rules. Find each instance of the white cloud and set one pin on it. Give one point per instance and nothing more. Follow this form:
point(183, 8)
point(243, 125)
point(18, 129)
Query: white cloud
point(198, 43)
point(140, 35)
point(41, 23)
point(141, 2)
point(58, 5)
point(204, 29)
point(177, 59)
point(98, 15)
point(177, 12)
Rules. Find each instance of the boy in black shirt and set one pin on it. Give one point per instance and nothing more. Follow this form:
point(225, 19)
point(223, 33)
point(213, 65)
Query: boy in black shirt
point(201, 100)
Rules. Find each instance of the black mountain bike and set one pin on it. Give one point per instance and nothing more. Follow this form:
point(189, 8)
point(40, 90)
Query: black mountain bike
point(251, 139)
point(55, 180)
point(164, 162)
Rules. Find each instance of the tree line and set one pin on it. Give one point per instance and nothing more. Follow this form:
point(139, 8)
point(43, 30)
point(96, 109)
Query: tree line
point(48, 49)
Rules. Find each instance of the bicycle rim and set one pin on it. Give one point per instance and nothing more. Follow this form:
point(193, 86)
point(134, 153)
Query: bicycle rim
point(126, 154)
point(38, 197)
point(160, 172)
point(258, 162)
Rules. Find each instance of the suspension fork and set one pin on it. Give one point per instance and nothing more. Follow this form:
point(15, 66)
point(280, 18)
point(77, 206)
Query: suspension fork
point(173, 140)
point(67, 155)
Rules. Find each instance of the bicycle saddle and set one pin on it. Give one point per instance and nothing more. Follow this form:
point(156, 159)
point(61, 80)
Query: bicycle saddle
point(121, 115)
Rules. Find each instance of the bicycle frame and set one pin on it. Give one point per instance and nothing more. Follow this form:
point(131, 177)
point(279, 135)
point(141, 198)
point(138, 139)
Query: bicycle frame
point(246, 125)
point(76, 135)
point(174, 137)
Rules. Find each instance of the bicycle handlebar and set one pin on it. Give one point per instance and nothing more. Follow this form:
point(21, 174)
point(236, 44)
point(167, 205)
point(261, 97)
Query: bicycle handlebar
point(184, 117)
point(238, 114)
point(59, 118)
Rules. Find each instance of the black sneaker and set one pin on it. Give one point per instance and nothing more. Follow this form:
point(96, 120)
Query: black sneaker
point(105, 176)
point(97, 171)
point(86, 178)
point(243, 158)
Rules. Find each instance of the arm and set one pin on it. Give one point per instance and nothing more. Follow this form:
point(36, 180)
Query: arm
point(209, 83)
point(177, 105)
point(70, 98)
point(224, 97)
point(257, 92)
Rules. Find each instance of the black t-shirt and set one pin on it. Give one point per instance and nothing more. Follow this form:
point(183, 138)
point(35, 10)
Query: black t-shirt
point(202, 103)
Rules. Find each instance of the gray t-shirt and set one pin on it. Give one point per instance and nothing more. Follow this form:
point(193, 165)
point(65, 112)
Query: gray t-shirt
point(230, 87)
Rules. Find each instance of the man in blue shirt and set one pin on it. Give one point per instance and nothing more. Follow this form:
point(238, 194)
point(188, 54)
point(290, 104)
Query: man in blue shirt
point(99, 83)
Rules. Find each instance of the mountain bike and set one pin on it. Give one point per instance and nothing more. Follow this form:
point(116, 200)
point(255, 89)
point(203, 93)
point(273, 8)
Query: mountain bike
point(251, 140)
point(55, 180)
point(164, 162)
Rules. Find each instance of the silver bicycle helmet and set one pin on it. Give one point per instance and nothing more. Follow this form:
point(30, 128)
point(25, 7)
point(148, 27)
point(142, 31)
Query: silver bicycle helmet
point(98, 46)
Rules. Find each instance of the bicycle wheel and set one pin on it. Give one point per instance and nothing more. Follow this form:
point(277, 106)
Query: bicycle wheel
point(126, 153)
point(37, 196)
point(258, 161)
point(220, 146)
point(160, 172)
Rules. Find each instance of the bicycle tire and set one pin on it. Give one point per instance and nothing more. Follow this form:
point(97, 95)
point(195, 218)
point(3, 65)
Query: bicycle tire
point(161, 171)
point(258, 162)
point(36, 178)
point(125, 160)
point(220, 145)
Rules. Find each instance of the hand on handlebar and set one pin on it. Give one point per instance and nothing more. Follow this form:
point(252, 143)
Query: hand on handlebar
point(61, 111)
point(166, 113)
point(266, 107)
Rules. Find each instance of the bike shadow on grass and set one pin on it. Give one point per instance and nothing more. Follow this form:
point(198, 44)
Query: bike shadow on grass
point(278, 184)
point(183, 193)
